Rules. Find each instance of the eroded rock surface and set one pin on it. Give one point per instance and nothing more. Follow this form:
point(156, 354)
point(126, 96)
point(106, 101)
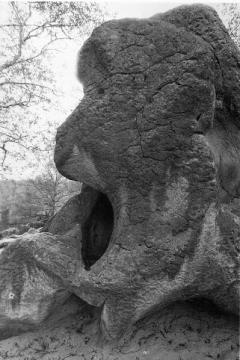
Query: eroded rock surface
point(157, 133)
point(156, 141)
point(183, 331)
point(34, 269)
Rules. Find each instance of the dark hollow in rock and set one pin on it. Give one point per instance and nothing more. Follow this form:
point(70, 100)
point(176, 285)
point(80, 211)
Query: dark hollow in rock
point(96, 231)
point(157, 132)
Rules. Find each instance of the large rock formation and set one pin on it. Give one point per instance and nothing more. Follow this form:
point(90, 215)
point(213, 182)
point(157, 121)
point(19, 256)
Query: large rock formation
point(156, 141)
point(157, 133)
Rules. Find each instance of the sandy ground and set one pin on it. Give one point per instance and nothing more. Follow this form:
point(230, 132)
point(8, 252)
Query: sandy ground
point(180, 332)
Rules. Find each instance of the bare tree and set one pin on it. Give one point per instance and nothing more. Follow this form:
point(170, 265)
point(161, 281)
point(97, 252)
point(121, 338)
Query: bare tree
point(230, 15)
point(32, 32)
point(51, 190)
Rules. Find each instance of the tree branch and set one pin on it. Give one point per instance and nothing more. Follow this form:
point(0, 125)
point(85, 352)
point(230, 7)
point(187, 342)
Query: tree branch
point(9, 63)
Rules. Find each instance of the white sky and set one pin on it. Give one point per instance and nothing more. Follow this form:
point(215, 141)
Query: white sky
point(133, 8)
point(65, 65)
point(143, 9)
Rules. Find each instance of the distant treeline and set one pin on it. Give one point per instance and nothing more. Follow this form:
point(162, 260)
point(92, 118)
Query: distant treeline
point(33, 201)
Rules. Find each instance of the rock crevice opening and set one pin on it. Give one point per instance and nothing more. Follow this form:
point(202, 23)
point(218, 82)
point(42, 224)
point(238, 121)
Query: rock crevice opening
point(96, 231)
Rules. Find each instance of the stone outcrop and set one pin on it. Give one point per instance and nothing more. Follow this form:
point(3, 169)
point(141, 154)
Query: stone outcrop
point(30, 285)
point(156, 141)
point(157, 133)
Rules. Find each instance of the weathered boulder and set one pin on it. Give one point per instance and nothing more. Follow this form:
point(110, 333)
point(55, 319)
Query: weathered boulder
point(30, 286)
point(157, 135)
point(156, 141)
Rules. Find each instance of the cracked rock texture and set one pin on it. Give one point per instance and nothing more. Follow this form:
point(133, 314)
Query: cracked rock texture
point(157, 133)
point(155, 140)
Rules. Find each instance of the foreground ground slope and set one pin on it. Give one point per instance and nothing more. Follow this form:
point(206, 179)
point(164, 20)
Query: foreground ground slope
point(181, 332)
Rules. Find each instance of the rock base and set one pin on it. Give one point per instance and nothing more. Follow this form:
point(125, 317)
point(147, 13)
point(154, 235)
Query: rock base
point(184, 331)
